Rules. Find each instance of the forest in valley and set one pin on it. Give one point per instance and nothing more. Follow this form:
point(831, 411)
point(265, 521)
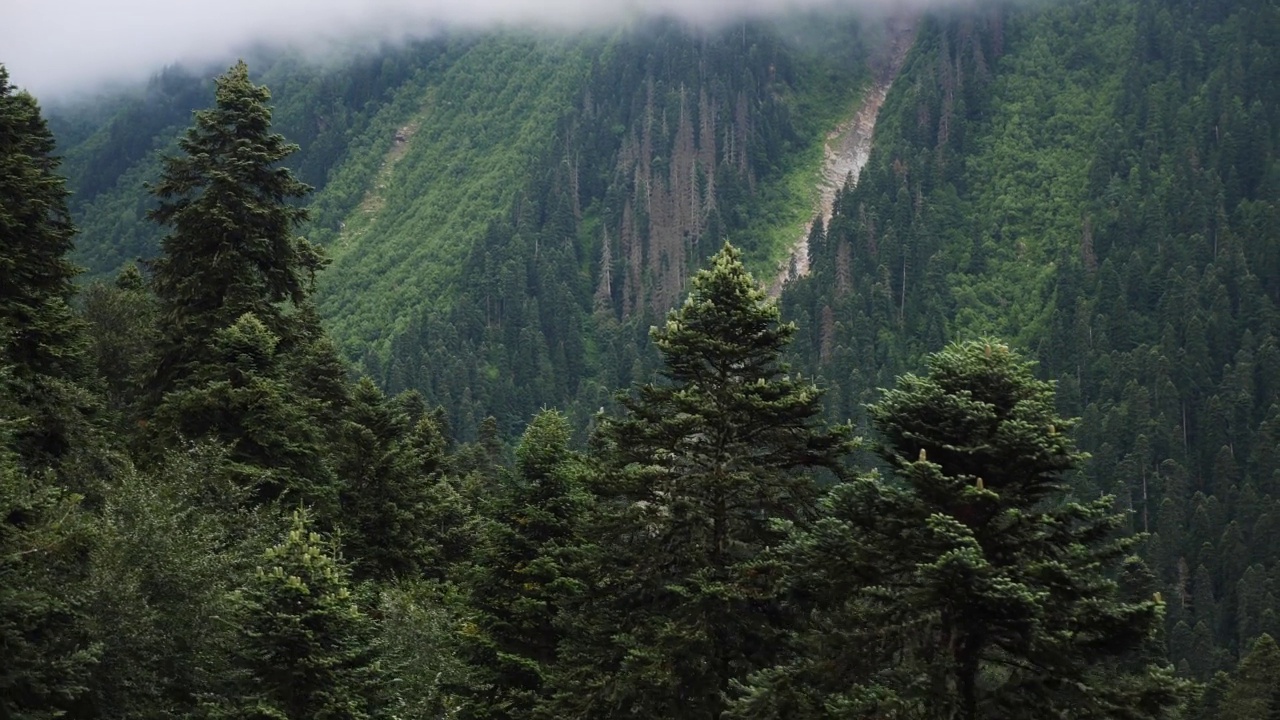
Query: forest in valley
point(447, 382)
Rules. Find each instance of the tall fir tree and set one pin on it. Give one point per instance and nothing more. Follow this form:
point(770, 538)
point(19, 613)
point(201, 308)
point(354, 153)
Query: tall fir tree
point(40, 337)
point(693, 476)
point(241, 357)
point(231, 248)
point(972, 587)
point(396, 507)
point(515, 579)
point(306, 650)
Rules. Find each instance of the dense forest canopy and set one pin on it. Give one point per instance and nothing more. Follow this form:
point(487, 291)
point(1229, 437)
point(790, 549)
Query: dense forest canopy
point(446, 382)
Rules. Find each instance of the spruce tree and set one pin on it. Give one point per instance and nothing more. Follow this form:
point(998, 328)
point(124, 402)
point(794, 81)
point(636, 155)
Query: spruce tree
point(231, 247)
point(693, 476)
point(45, 649)
point(121, 333)
point(972, 587)
point(46, 653)
point(241, 397)
point(305, 649)
point(392, 494)
point(1253, 687)
point(40, 340)
point(514, 582)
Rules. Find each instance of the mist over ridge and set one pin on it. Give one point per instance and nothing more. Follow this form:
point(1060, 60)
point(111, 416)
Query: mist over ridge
point(58, 50)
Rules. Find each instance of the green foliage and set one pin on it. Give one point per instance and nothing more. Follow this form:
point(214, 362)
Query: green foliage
point(419, 639)
point(231, 248)
point(170, 545)
point(1252, 690)
point(332, 110)
point(478, 129)
point(555, 295)
point(41, 337)
point(973, 588)
point(1072, 177)
point(518, 575)
point(305, 647)
point(121, 334)
point(693, 475)
point(442, 166)
point(241, 397)
point(48, 652)
point(401, 517)
point(1093, 180)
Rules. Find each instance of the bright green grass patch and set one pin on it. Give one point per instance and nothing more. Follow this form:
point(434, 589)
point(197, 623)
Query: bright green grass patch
point(787, 203)
point(473, 140)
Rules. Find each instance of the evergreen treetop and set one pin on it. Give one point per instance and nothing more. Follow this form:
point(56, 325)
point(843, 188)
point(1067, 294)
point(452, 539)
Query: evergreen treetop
point(306, 647)
point(971, 587)
point(230, 249)
point(693, 476)
point(40, 337)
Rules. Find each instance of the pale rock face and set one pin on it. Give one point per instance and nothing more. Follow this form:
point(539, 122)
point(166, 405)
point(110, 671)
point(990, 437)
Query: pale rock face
point(847, 149)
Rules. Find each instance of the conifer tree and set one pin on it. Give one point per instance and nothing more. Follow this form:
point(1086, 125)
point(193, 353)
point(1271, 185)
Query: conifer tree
point(514, 582)
point(973, 588)
point(40, 340)
point(392, 494)
point(230, 249)
point(306, 649)
point(242, 398)
point(45, 650)
point(1252, 690)
point(694, 474)
point(121, 333)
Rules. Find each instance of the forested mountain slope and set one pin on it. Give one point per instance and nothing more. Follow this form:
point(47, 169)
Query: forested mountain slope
point(1093, 184)
point(1098, 182)
point(507, 215)
point(111, 148)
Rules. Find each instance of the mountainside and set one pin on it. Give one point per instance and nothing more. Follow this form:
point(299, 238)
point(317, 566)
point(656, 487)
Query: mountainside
point(1099, 183)
point(1096, 182)
point(507, 215)
point(511, 219)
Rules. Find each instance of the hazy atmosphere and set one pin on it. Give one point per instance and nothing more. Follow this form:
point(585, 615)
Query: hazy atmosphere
point(609, 359)
point(56, 48)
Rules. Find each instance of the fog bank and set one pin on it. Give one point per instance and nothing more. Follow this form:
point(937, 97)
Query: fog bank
point(59, 47)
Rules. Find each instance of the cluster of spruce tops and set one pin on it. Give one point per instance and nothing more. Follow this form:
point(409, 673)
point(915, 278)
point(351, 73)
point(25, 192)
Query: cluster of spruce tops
point(202, 516)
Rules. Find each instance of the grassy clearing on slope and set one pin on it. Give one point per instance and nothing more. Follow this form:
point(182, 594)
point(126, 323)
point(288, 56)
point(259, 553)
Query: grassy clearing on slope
point(786, 205)
point(479, 127)
point(787, 202)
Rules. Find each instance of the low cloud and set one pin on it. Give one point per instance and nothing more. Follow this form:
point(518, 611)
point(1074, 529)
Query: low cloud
point(58, 47)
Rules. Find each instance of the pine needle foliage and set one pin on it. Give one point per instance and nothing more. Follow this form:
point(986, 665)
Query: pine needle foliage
point(230, 249)
point(694, 474)
point(516, 581)
point(971, 586)
point(40, 336)
point(305, 649)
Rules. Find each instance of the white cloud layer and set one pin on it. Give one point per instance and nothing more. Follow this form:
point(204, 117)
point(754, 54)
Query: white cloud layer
point(56, 47)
